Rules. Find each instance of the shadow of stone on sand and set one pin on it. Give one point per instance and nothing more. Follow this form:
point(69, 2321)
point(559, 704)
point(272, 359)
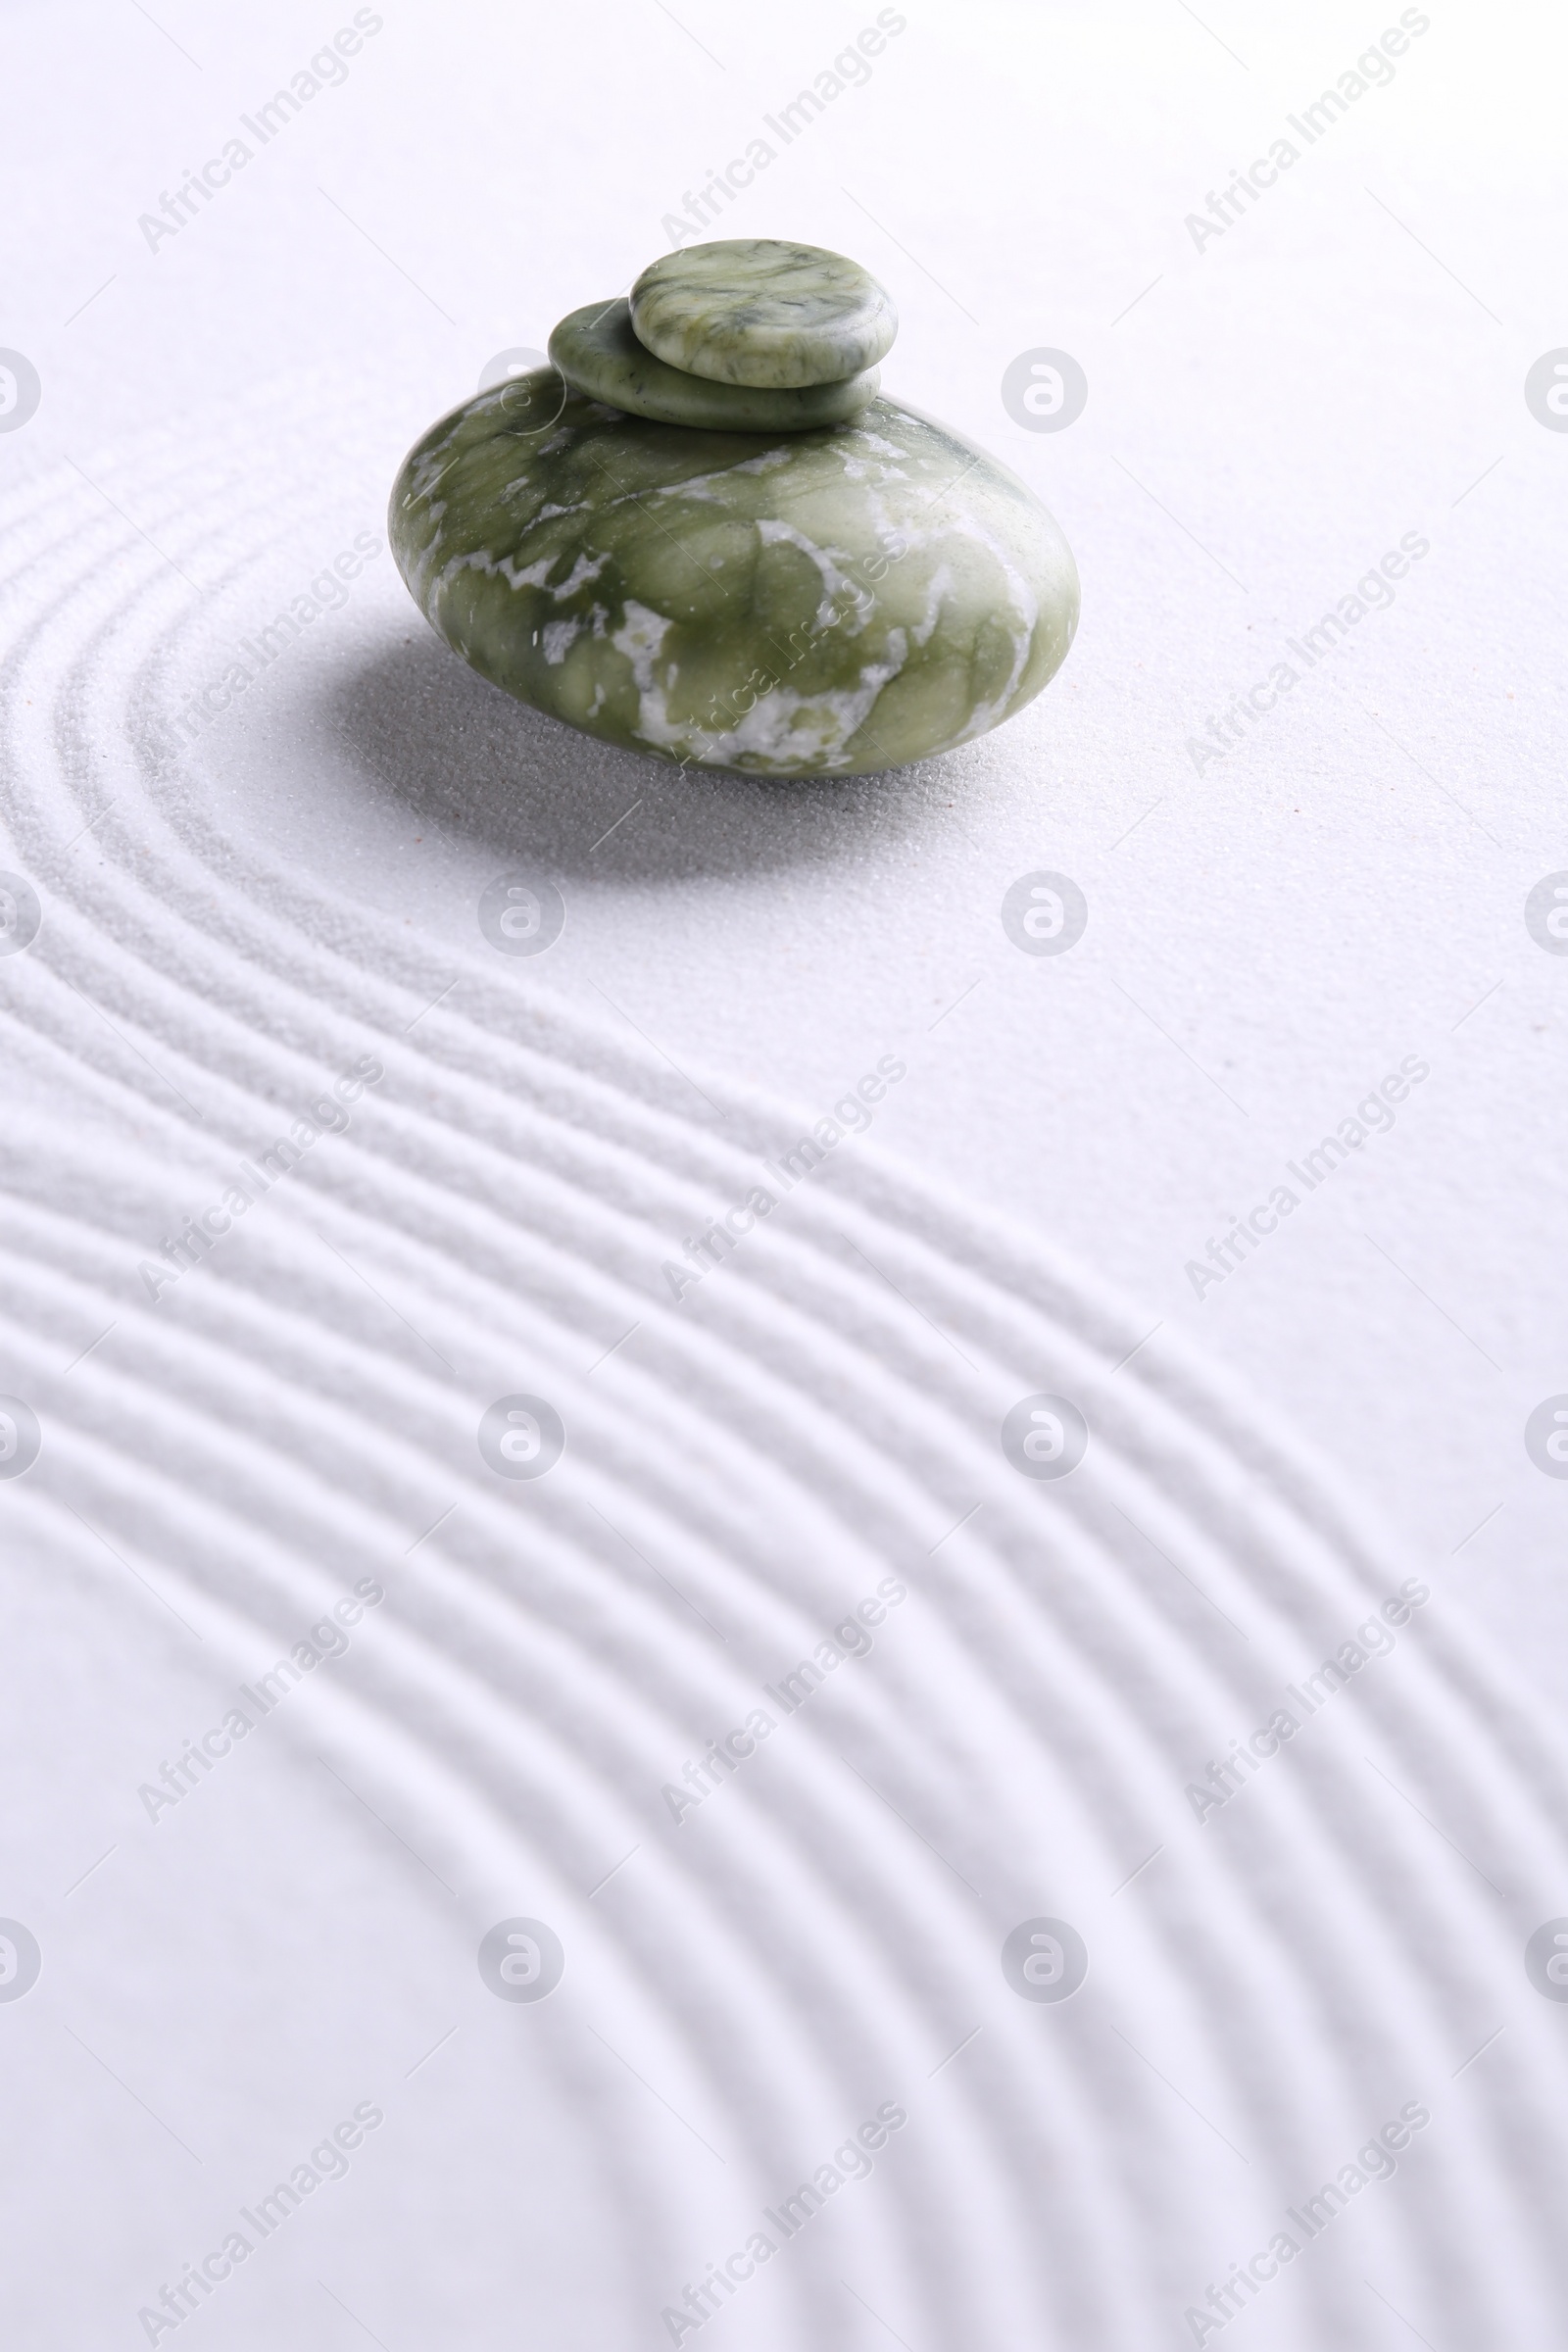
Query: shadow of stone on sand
point(459, 753)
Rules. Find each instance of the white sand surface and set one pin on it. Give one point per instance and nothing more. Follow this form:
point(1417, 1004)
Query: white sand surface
point(239, 1956)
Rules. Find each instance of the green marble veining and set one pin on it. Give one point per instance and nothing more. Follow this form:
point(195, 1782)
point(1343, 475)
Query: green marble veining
point(598, 354)
point(830, 602)
point(755, 310)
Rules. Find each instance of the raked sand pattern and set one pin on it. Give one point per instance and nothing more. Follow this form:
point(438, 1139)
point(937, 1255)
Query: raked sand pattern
point(819, 1941)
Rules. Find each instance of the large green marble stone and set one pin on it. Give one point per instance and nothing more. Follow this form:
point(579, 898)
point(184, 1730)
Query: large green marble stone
point(826, 604)
point(597, 352)
point(757, 311)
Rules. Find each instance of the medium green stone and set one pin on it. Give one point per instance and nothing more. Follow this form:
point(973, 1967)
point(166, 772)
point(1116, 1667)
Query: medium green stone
point(598, 354)
point(827, 604)
point(755, 310)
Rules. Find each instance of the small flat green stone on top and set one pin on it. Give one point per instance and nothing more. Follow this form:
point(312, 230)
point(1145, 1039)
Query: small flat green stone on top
point(755, 310)
point(599, 355)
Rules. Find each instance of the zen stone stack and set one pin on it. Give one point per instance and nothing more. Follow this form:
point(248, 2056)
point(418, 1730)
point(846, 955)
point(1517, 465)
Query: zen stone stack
point(703, 533)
